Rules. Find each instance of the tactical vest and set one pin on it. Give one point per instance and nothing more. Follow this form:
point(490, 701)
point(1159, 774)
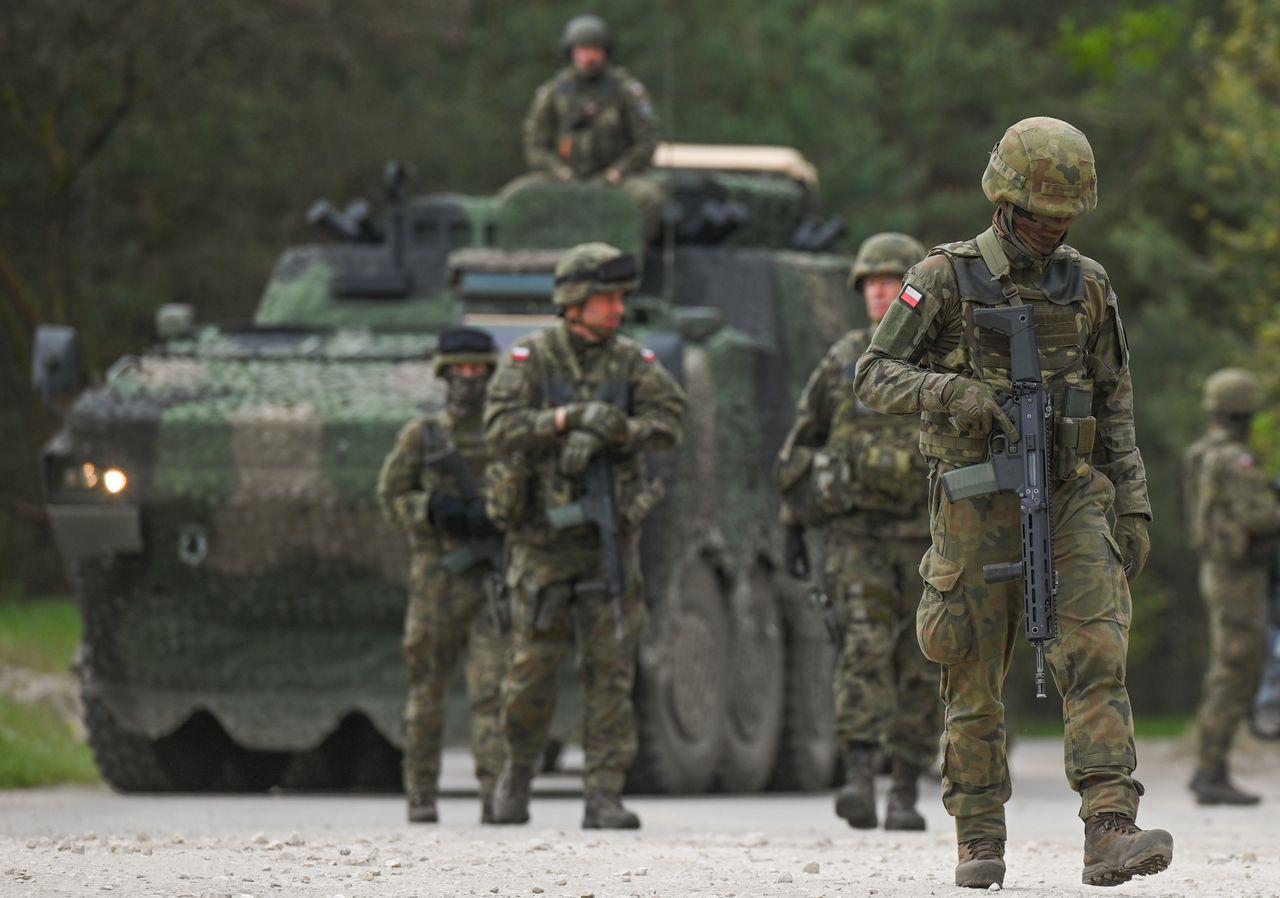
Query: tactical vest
point(590, 121)
point(891, 474)
point(1062, 334)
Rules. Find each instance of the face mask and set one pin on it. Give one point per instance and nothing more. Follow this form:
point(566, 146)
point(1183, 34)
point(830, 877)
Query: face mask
point(465, 395)
point(1039, 235)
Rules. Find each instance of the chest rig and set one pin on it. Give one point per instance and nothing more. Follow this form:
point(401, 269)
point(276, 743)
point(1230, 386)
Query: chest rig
point(589, 123)
point(890, 472)
point(440, 438)
point(1062, 334)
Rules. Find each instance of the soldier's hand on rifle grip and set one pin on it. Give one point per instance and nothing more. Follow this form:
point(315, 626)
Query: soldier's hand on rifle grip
point(972, 404)
point(578, 448)
point(1135, 543)
point(600, 418)
point(449, 513)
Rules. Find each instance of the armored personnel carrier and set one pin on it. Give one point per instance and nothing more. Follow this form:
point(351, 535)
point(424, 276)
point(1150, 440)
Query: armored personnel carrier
point(214, 498)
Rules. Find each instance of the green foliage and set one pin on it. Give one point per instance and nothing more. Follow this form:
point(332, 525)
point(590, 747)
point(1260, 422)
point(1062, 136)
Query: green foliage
point(38, 748)
point(39, 635)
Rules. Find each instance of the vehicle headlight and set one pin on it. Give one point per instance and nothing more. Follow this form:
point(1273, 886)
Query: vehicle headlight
point(85, 480)
point(115, 481)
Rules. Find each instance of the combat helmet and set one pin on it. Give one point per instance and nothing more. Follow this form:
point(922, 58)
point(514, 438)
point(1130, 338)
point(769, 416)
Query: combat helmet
point(1045, 166)
point(459, 345)
point(1232, 391)
point(885, 253)
point(586, 29)
point(591, 268)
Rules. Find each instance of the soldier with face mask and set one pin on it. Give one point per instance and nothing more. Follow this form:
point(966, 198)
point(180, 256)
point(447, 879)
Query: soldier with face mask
point(593, 122)
point(929, 359)
point(860, 476)
point(562, 398)
point(430, 489)
point(1234, 524)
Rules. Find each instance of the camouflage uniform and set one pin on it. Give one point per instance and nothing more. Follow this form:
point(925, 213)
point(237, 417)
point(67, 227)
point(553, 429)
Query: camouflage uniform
point(588, 124)
point(927, 357)
point(1234, 522)
point(860, 476)
point(555, 576)
point(449, 610)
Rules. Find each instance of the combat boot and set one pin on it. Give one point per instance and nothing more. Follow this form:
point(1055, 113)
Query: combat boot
point(856, 800)
point(901, 812)
point(604, 810)
point(486, 808)
point(422, 808)
point(1215, 787)
point(981, 863)
point(511, 797)
point(1116, 850)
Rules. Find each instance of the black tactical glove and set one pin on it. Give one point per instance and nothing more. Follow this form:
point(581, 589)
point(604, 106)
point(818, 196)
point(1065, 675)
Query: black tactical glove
point(578, 448)
point(478, 523)
point(604, 420)
point(449, 513)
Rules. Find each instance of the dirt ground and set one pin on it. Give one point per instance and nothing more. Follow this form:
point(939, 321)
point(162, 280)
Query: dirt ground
point(89, 841)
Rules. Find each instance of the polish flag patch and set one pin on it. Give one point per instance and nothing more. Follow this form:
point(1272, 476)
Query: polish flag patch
point(911, 296)
point(647, 355)
point(520, 353)
point(1247, 461)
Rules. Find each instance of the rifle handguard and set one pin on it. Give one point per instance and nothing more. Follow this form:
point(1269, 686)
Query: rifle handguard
point(970, 481)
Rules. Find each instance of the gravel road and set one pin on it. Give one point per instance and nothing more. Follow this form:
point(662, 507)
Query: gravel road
point(89, 841)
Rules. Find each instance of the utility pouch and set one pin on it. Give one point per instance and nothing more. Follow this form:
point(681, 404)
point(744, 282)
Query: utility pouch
point(1074, 433)
point(550, 602)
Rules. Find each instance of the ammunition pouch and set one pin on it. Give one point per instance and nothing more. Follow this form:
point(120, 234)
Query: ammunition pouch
point(1073, 440)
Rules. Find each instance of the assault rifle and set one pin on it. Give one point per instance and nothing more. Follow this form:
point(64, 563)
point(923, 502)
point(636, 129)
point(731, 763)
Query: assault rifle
point(476, 549)
point(1024, 468)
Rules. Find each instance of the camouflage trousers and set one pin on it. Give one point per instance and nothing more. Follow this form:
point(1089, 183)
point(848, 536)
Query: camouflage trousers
point(971, 627)
point(1235, 597)
point(886, 689)
point(550, 613)
point(446, 615)
point(646, 193)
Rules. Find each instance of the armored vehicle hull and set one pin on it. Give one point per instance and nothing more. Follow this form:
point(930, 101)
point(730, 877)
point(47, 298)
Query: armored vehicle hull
point(243, 599)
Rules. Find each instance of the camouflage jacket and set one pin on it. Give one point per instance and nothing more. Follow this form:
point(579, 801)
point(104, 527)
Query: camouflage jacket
point(408, 479)
point(545, 370)
point(1233, 514)
point(846, 467)
point(927, 337)
point(590, 124)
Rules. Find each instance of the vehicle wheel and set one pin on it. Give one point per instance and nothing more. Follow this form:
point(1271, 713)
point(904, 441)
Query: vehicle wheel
point(807, 757)
point(255, 771)
point(187, 760)
point(756, 687)
point(681, 687)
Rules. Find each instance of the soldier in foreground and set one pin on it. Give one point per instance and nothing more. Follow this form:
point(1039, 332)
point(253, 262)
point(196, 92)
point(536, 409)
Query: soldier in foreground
point(581, 405)
point(928, 357)
point(1234, 524)
point(428, 488)
point(593, 121)
point(860, 476)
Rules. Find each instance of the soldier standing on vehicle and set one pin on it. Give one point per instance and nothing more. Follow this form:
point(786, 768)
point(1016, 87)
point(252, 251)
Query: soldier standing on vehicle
point(593, 122)
point(928, 359)
point(860, 476)
point(568, 400)
point(1234, 524)
point(429, 488)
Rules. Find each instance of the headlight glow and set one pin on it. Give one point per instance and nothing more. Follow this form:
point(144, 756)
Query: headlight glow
point(115, 481)
point(90, 474)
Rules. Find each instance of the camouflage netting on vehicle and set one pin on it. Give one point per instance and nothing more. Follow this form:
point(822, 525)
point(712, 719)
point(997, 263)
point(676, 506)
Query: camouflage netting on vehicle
point(774, 208)
point(260, 515)
point(557, 216)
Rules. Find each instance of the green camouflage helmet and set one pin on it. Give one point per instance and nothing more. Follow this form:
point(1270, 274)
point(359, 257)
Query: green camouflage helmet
point(591, 268)
point(885, 253)
point(1232, 391)
point(1045, 166)
point(459, 345)
point(588, 29)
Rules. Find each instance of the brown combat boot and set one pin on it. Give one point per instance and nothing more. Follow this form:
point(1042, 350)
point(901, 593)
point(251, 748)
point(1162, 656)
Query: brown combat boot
point(856, 800)
point(422, 808)
point(981, 863)
point(901, 812)
point(604, 810)
point(1215, 787)
point(1116, 850)
point(511, 797)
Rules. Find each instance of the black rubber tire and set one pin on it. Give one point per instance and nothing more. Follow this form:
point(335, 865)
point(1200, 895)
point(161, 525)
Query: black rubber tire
point(681, 687)
point(807, 756)
point(757, 686)
point(255, 771)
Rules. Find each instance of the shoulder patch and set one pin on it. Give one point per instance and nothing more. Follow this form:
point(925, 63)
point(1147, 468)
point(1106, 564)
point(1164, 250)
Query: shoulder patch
point(520, 353)
point(911, 297)
point(648, 354)
point(636, 88)
point(1246, 461)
